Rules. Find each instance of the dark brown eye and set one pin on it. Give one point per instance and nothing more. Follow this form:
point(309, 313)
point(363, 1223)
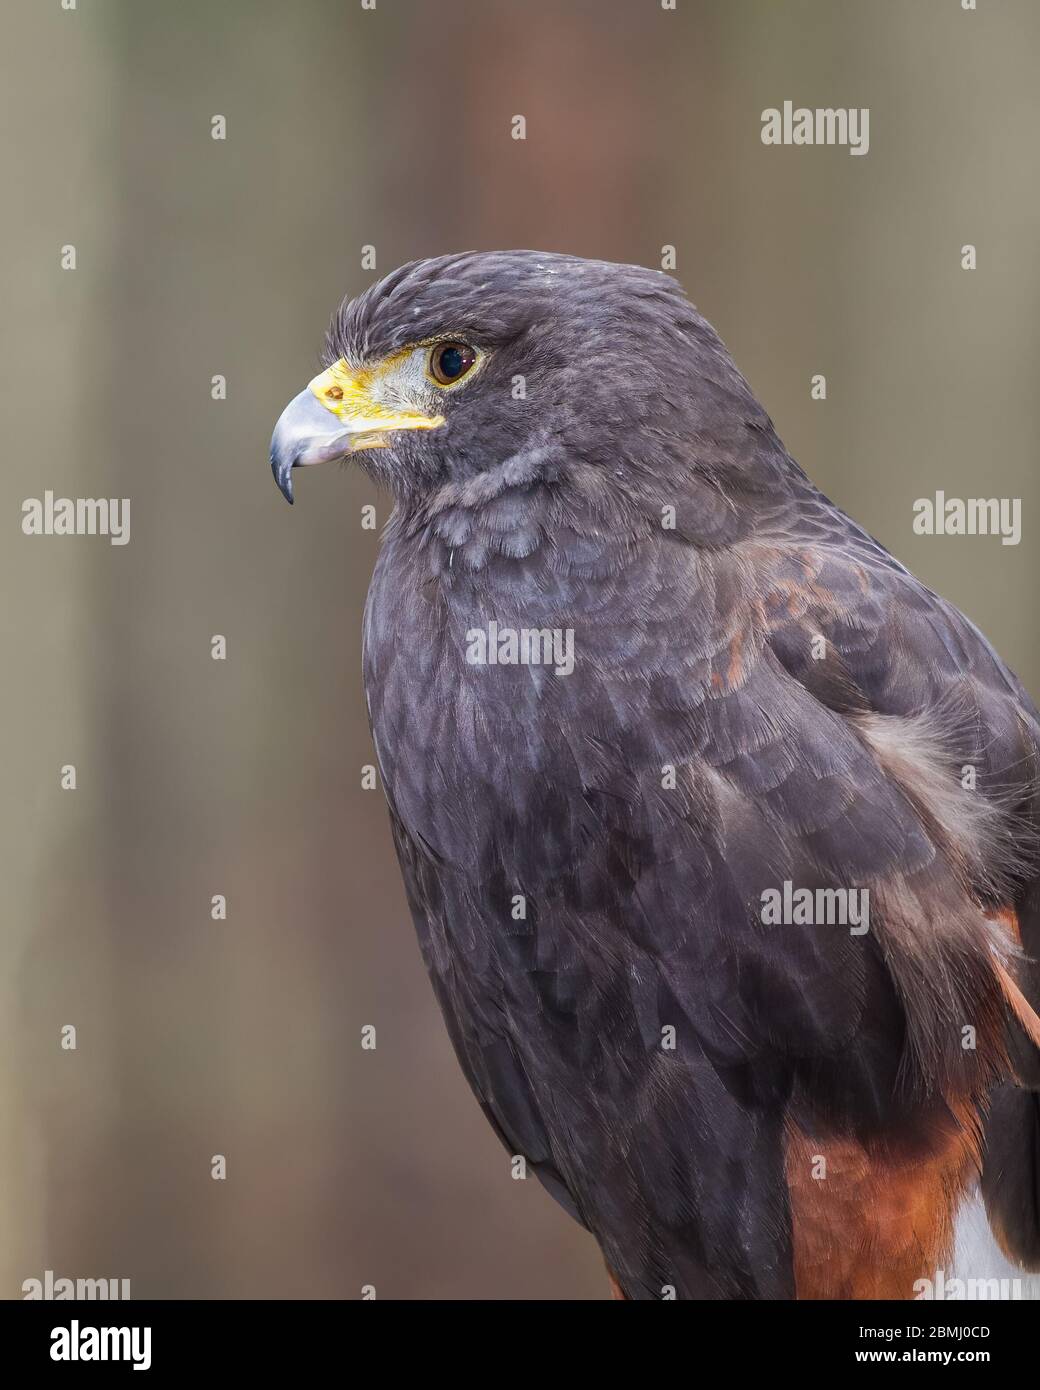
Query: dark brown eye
point(449, 362)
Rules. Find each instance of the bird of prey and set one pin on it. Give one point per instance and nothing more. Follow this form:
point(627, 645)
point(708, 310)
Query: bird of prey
point(718, 827)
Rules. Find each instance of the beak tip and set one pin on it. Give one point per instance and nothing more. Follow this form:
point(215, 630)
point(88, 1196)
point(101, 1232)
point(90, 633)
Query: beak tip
point(282, 471)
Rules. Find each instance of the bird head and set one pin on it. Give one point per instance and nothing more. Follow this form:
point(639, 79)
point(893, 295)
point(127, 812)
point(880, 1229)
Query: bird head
point(472, 373)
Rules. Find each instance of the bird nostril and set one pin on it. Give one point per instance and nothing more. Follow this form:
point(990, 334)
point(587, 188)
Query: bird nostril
point(334, 393)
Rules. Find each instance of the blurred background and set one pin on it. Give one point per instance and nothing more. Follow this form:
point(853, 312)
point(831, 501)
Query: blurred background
point(390, 127)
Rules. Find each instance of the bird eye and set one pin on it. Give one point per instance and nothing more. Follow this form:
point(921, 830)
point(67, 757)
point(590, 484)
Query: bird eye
point(449, 362)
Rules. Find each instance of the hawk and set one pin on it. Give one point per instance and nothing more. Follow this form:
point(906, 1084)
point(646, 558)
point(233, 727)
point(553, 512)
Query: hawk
point(761, 707)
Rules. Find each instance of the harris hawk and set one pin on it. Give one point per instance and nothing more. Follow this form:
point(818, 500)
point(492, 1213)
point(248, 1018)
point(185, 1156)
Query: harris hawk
point(835, 1098)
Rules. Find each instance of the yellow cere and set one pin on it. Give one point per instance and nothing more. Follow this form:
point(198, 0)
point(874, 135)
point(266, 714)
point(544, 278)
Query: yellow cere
point(356, 397)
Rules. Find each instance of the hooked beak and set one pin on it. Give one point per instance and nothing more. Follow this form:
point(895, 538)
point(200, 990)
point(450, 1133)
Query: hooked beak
point(339, 413)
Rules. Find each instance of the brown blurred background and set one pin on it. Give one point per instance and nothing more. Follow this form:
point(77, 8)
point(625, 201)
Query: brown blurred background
point(196, 257)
